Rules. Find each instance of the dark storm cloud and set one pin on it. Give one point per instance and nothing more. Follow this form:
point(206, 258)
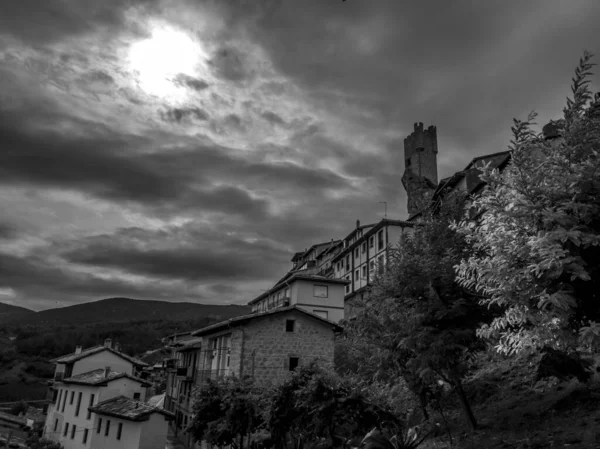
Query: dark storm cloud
point(272, 118)
point(65, 286)
point(181, 114)
point(193, 83)
point(8, 231)
point(51, 20)
point(230, 64)
point(189, 254)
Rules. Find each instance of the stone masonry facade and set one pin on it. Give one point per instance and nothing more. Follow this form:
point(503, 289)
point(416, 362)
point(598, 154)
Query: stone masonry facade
point(267, 346)
point(420, 174)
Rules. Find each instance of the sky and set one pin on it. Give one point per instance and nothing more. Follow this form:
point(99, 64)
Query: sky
point(184, 150)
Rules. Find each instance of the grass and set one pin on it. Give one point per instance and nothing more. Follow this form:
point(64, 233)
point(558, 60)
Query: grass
point(516, 411)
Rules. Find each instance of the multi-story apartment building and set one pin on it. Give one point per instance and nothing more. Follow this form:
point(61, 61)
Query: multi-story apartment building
point(365, 253)
point(85, 379)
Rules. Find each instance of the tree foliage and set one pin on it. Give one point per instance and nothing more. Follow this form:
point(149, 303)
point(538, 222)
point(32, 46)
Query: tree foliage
point(317, 406)
point(416, 316)
point(537, 238)
point(227, 411)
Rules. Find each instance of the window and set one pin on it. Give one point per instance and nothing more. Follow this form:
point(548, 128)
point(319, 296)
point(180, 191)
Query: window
point(364, 247)
point(321, 313)
point(78, 403)
point(293, 363)
point(72, 397)
point(136, 396)
point(356, 253)
point(64, 401)
point(66, 429)
point(372, 265)
point(55, 424)
point(407, 162)
point(380, 240)
point(320, 291)
point(119, 430)
point(348, 262)
point(59, 397)
point(371, 242)
point(364, 272)
point(347, 285)
point(73, 431)
point(287, 293)
point(99, 425)
point(85, 435)
point(289, 325)
point(89, 414)
point(356, 275)
point(107, 428)
point(380, 264)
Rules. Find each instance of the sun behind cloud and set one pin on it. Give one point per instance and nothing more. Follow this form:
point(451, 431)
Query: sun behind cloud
point(159, 59)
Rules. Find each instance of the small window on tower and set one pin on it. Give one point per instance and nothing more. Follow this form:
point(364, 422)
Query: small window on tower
point(407, 162)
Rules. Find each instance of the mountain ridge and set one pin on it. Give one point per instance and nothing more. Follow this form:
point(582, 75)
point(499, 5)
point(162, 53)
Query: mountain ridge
point(121, 309)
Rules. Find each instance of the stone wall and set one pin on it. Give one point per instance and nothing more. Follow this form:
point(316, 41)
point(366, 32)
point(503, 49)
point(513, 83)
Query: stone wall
point(267, 346)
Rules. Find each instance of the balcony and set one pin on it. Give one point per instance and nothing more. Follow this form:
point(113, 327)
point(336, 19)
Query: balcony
point(186, 372)
point(212, 374)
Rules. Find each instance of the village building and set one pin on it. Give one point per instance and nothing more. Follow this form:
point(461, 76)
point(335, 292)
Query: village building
point(316, 294)
point(123, 423)
point(89, 377)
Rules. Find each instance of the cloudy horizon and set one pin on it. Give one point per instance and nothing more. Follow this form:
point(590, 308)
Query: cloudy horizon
point(184, 150)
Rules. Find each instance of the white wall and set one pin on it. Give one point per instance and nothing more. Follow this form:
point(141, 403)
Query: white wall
point(303, 296)
point(130, 434)
point(68, 416)
point(154, 432)
point(124, 386)
point(102, 360)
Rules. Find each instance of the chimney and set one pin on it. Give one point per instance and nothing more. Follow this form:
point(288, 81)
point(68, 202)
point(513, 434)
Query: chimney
point(106, 371)
point(357, 224)
point(117, 346)
point(108, 343)
point(77, 349)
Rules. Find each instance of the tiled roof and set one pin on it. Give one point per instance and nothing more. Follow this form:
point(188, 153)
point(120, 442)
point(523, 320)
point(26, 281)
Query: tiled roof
point(73, 357)
point(232, 322)
point(97, 377)
point(127, 408)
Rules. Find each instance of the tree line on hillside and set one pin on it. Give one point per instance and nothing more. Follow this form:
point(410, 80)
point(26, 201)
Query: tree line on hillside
point(135, 337)
point(512, 271)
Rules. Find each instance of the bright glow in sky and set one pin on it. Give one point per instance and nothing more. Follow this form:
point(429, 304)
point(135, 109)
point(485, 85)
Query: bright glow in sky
point(159, 59)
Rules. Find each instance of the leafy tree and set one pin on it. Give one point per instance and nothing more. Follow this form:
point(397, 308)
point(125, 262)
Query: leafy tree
point(315, 407)
point(419, 319)
point(537, 238)
point(34, 442)
point(227, 411)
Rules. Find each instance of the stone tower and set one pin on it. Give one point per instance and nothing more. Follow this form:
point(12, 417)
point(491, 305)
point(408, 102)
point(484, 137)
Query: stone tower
point(420, 162)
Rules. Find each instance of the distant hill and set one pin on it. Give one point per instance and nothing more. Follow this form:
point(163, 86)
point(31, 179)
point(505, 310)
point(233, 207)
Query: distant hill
point(9, 312)
point(116, 310)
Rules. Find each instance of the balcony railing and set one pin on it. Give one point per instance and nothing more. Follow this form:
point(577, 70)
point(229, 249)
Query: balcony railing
point(212, 374)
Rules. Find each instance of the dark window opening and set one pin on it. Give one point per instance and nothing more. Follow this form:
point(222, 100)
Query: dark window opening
point(99, 425)
point(78, 403)
point(119, 430)
point(107, 429)
point(89, 414)
point(66, 429)
point(136, 396)
point(73, 431)
point(289, 325)
point(55, 424)
point(72, 397)
point(408, 162)
point(85, 435)
point(294, 363)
